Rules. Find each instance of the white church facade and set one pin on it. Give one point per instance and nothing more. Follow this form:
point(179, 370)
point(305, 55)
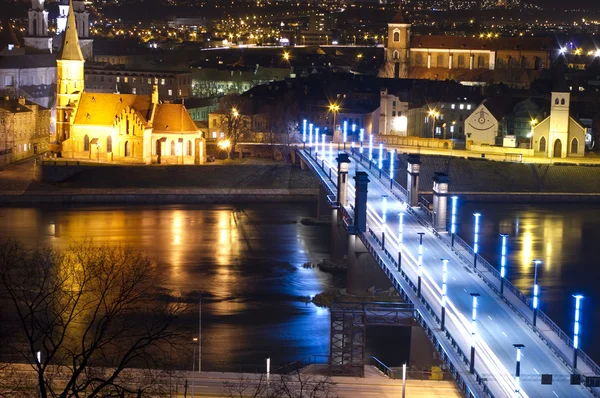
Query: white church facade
point(559, 135)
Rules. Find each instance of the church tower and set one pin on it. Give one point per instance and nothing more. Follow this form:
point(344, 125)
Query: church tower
point(559, 120)
point(69, 78)
point(398, 45)
point(82, 19)
point(37, 30)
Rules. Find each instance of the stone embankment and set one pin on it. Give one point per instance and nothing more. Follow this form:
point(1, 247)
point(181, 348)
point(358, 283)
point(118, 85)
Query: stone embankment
point(491, 180)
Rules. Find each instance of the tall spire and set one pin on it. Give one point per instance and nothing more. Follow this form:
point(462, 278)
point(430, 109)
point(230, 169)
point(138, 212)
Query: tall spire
point(399, 16)
point(70, 48)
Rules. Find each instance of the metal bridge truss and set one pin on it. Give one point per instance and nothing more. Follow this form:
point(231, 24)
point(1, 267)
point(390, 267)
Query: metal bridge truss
point(348, 332)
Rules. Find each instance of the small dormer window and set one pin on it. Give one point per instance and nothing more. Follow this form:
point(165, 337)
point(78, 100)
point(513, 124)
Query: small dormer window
point(88, 116)
point(93, 99)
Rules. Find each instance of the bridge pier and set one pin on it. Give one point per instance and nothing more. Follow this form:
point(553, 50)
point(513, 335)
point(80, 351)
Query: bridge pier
point(293, 156)
point(412, 179)
point(440, 201)
point(302, 164)
point(339, 238)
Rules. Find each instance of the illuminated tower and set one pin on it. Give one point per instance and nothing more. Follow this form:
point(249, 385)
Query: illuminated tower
point(37, 30)
point(398, 44)
point(559, 120)
point(82, 19)
point(69, 78)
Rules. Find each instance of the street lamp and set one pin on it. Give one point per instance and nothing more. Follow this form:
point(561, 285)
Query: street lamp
point(476, 239)
point(530, 135)
point(576, 328)
point(334, 108)
point(304, 131)
point(310, 134)
point(473, 330)
point(380, 155)
point(444, 280)
point(361, 137)
point(519, 347)
point(353, 132)
point(453, 219)
point(345, 133)
point(503, 263)
point(536, 291)
point(434, 114)
point(370, 149)
point(400, 239)
point(323, 144)
point(420, 263)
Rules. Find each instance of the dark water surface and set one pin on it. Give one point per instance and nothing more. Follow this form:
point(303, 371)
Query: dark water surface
point(247, 261)
point(566, 237)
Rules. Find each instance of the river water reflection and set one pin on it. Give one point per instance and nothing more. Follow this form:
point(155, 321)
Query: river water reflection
point(247, 260)
point(566, 237)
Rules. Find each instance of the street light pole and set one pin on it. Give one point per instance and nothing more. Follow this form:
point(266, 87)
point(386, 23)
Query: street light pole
point(453, 220)
point(473, 330)
point(536, 291)
point(444, 280)
point(578, 298)
point(345, 132)
point(476, 239)
point(420, 264)
point(400, 239)
point(503, 263)
point(519, 347)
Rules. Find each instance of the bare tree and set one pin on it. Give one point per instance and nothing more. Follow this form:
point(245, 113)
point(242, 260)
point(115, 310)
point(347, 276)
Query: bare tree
point(283, 123)
point(233, 121)
point(84, 317)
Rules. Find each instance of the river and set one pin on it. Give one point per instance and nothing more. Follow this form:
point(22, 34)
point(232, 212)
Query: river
point(247, 260)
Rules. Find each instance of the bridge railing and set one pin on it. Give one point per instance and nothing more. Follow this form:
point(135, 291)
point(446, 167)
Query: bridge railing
point(429, 331)
point(384, 176)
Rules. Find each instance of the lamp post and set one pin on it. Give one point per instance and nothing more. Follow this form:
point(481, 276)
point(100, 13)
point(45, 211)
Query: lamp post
point(383, 220)
point(370, 149)
point(576, 328)
point(323, 144)
point(530, 135)
point(476, 239)
point(316, 142)
point(444, 280)
point(536, 291)
point(503, 263)
point(310, 135)
point(361, 136)
point(353, 132)
point(519, 347)
point(400, 238)
point(453, 220)
point(420, 263)
point(334, 108)
point(473, 331)
point(345, 133)
point(392, 156)
point(380, 163)
point(434, 114)
point(304, 132)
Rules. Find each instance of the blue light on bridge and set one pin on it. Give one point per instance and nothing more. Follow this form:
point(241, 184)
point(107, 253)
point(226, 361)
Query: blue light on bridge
point(503, 263)
point(453, 217)
point(310, 134)
point(476, 237)
point(380, 155)
point(323, 144)
point(536, 291)
point(392, 153)
point(370, 148)
point(384, 210)
point(444, 291)
point(345, 131)
point(361, 137)
point(317, 139)
point(353, 131)
point(576, 328)
point(304, 130)
point(401, 228)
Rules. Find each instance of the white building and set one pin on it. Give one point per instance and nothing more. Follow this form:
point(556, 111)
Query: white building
point(559, 135)
point(392, 114)
point(483, 125)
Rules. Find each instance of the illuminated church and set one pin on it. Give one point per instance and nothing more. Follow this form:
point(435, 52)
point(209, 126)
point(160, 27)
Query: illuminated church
point(122, 128)
point(483, 59)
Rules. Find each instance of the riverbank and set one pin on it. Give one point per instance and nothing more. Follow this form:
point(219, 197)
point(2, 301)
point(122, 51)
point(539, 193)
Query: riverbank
point(240, 182)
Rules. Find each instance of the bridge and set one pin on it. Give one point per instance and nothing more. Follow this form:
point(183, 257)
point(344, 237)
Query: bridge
point(443, 278)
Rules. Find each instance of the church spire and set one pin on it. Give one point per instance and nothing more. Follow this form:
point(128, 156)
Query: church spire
point(70, 48)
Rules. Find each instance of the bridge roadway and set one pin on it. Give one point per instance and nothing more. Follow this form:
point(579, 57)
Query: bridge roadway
point(498, 325)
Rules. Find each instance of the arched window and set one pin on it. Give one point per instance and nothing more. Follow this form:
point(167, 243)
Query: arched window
point(396, 36)
point(481, 61)
point(512, 62)
point(109, 144)
point(173, 148)
point(189, 148)
point(395, 56)
point(127, 126)
point(500, 63)
point(419, 59)
point(556, 101)
point(86, 143)
point(543, 144)
point(461, 61)
point(127, 151)
point(574, 145)
point(562, 101)
point(440, 61)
